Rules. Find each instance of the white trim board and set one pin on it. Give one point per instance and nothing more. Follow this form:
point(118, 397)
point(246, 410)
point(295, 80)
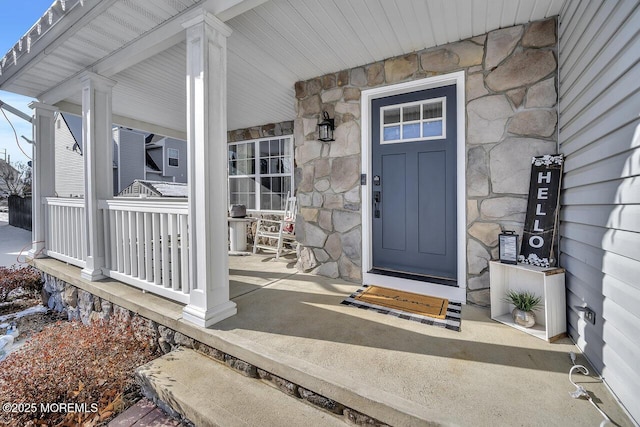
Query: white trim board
point(458, 293)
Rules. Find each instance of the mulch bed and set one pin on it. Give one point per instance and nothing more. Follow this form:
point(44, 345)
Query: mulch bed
point(63, 373)
point(87, 368)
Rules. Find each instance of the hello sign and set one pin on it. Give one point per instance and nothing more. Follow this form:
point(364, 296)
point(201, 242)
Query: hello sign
point(542, 211)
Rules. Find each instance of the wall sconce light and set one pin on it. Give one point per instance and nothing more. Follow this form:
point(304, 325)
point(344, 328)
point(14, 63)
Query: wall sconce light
point(325, 128)
point(508, 247)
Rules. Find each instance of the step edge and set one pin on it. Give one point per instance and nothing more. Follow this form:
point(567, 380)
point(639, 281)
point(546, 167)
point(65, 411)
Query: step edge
point(155, 388)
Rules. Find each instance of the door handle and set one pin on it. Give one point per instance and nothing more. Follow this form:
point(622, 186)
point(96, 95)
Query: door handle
point(377, 199)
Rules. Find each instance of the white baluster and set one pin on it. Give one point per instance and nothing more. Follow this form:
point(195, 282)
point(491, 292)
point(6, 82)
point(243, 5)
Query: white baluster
point(133, 235)
point(157, 266)
point(81, 234)
point(113, 242)
point(165, 251)
point(119, 245)
point(140, 244)
point(125, 242)
point(184, 253)
point(107, 239)
point(148, 245)
point(175, 253)
point(64, 230)
point(73, 233)
point(51, 220)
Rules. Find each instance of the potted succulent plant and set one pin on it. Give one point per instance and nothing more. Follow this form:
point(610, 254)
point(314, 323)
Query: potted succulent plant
point(524, 302)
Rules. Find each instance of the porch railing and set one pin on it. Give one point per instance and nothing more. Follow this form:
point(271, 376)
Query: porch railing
point(66, 230)
point(146, 244)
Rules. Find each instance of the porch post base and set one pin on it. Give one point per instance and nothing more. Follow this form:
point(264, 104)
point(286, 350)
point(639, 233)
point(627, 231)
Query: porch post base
point(37, 251)
point(211, 316)
point(91, 274)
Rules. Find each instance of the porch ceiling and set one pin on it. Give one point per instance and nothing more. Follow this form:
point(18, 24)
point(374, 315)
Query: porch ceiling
point(274, 43)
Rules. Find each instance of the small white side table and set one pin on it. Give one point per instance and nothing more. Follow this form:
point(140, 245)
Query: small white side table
point(548, 283)
point(238, 233)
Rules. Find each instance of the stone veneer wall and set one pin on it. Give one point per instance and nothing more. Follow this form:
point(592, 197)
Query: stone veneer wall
point(511, 116)
point(81, 305)
point(257, 132)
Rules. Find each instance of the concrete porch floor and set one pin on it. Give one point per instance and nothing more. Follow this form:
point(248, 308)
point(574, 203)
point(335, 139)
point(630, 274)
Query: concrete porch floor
point(398, 371)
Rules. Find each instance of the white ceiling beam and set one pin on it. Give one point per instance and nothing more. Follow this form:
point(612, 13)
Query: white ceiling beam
point(150, 44)
point(225, 10)
point(161, 38)
point(61, 91)
point(127, 122)
point(167, 34)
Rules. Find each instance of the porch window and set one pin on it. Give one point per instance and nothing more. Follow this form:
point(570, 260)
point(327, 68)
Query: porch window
point(413, 121)
point(173, 156)
point(261, 173)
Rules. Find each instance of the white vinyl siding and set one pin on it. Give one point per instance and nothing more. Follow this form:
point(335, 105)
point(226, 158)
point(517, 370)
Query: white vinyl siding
point(69, 163)
point(599, 132)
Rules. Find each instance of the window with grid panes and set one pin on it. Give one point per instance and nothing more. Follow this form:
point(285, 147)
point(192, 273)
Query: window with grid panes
point(414, 121)
point(261, 173)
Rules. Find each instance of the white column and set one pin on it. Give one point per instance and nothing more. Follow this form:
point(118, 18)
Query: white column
point(43, 179)
point(97, 151)
point(207, 153)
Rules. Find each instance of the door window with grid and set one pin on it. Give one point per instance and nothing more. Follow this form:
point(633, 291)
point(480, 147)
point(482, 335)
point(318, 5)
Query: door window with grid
point(261, 173)
point(414, 121)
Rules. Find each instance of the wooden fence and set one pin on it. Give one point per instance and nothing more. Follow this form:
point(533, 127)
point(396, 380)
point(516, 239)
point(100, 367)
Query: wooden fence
point(20, 212)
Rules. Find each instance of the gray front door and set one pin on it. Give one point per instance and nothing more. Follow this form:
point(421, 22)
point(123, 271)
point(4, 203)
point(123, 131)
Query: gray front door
point(414, 185)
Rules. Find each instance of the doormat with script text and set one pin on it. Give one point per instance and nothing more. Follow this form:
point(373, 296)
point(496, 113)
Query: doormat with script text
point(407, 305)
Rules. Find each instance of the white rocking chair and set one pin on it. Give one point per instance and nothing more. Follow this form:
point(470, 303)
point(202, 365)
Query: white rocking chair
point(271, 234)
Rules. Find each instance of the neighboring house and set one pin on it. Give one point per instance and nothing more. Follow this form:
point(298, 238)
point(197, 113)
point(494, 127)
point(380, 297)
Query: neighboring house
point(445, 104)
point(133, 157)
point(129, 158)
point(166, 159)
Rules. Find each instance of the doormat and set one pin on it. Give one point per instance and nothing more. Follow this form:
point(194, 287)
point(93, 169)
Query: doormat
point(403, 305)
point(405, 301)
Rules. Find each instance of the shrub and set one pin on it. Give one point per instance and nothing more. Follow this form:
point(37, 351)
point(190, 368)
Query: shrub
point(68, 362)
point(12, 278)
